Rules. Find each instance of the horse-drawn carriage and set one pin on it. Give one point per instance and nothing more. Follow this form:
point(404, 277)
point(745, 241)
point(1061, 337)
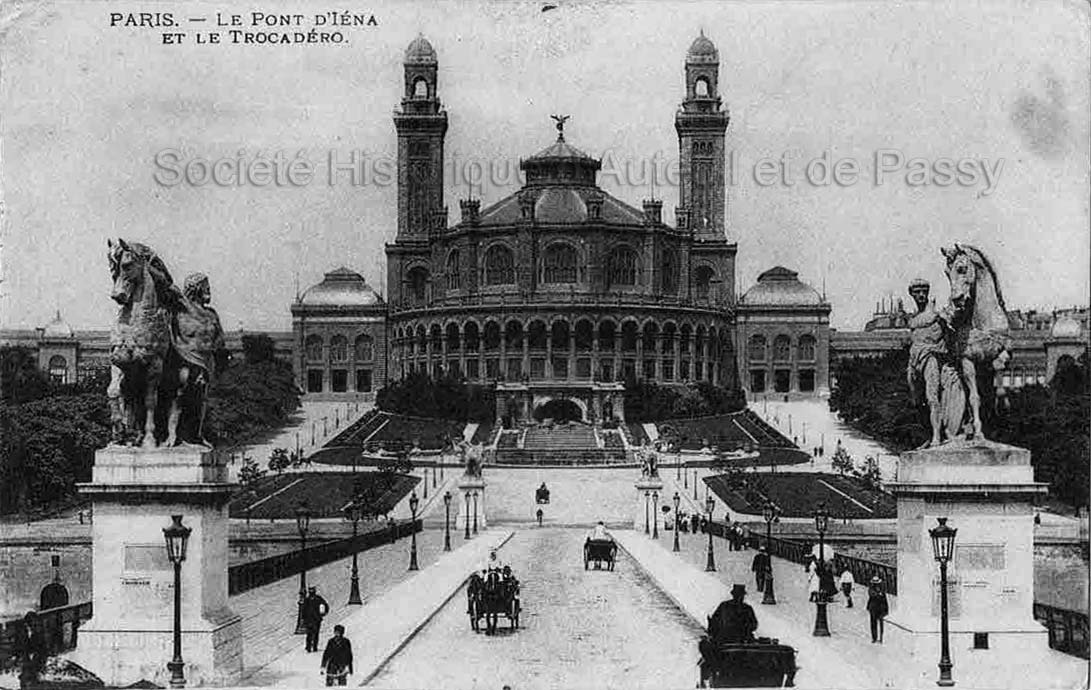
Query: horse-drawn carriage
point(764, 663)
point(541, 495)
point(490, 596)
point(600, 551)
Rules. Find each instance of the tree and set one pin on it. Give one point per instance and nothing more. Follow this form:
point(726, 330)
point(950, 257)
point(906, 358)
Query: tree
point(872, 475)
point(279, 460)
point(258, 348)
point(447, 398)
point(842, 461)
point(250, 473)
point(20, 378)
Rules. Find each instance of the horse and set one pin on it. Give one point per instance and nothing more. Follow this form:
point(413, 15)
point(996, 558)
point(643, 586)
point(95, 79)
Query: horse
point(473, 600)
point(494, 598)
point(979, 324)
point(140, 340)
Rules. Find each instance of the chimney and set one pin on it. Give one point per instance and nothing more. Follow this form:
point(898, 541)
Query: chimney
point(470, 210)
point(594, 205)
point(653, 212)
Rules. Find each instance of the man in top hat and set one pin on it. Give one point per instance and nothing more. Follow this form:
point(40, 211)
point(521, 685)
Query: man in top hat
point(315, 609)
point(733, 621)
point(760, 567)
point(877, 607)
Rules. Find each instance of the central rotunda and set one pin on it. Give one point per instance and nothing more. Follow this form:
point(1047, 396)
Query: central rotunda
point(560, 292)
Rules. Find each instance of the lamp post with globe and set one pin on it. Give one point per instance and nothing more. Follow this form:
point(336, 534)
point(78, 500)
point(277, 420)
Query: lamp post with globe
point(943, 546)
point(303, 523)
point(177, 537)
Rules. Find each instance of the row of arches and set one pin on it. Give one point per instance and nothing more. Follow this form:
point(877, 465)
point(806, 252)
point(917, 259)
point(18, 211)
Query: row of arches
point(562, 263)
point(757, 348)
point(315, 348)
point(558, 334)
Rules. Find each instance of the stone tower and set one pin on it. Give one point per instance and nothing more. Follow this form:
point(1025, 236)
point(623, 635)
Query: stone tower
point(701, 123)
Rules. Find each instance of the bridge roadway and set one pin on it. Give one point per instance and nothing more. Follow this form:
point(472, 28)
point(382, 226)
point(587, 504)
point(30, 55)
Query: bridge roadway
point(578, 496)
point(579, 628)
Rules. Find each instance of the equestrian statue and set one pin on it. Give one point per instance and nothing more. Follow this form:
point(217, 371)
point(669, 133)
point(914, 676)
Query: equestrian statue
point(955, 351)
point(165, 349)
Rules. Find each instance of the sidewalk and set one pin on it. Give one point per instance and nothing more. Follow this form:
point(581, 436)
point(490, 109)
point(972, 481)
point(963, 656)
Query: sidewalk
point(382, 626)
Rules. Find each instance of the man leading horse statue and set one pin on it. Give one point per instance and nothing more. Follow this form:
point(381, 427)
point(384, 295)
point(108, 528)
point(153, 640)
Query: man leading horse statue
point(165, 349)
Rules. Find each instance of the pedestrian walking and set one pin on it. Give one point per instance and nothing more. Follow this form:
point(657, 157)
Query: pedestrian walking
point(826, 583)
point(760, 567)
point(32, 650)
point(539, 516)
point(315, 609)
point(337, 659)
point(694, 522)
point(847, 582)
point(812, 583)
point(877, 607)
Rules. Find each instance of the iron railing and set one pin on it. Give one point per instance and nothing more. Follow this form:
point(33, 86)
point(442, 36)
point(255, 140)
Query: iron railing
point(59, 626)
point(246, 576)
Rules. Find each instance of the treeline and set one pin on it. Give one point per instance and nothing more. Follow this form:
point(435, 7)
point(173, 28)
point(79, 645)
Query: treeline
point(419, 395)
point(1053, 421)
point(646, 401)
point(49, 433)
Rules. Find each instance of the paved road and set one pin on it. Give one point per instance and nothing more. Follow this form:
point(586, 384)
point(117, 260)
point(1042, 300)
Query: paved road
point(578, 496)
point(579, 629)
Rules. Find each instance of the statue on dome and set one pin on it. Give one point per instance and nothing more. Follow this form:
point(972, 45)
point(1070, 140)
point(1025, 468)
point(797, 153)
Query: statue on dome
point(560, 120)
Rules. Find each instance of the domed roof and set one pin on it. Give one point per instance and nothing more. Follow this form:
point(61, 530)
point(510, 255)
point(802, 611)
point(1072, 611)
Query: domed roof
point(420, 52)
point(560, 205)
point(703, 50)
point(781, 287)
point(343, 288)
point(1065, 327)
point(57, 328)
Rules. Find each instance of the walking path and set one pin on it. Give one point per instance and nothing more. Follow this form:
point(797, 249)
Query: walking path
point(847, 659)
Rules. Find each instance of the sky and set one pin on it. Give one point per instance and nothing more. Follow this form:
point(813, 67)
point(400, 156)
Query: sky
point(997, 87)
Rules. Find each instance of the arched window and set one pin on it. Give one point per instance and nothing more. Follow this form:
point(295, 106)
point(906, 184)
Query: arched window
point(756, 348)
point(513, 335)
point(417, 280)
point(651, 335)
point(622, 266)
point(806, 348)
point(454, 341)
point(702, 280)
point(472, 337)
point(585, 335)
point(453, 271)
point(560, 335)
point(684, 341)
point(422, 340)
point(58, 370)
point(339, 348)
point(670, 334)
point(435, 334)
point(420, 88)
point(782, 348)
point(668, 270)
point(313, 348)
point(561, 261)
point(628, 336)
point(492, 336)
point(536, 335)
point(607, 335)
point(499, 266)
point(365, 348)
point(700, 87)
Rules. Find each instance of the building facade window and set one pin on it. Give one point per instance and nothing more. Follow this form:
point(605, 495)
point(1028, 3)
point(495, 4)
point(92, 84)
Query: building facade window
point(58, 370)
point(561, 263)
point(782, 380)
point(756, 348)
point(622, 267)
point(782, 348)
point(499, 266)
point(806, 380)
point(314, 380)
point(364, 348)
point(363, 380)
point(669, 271)
point(757, 381)
point(312, 347)
point(453, 271)
point(339, 348)
point(702, 282)
point(339, 380)
point(417, 281)
point(806, 348)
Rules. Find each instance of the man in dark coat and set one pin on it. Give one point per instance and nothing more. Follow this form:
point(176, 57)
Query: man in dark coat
point(877, 607)
point(760, 567)
point(734, 621)
point(32, 650)
point(315, 609)
point(337, 659)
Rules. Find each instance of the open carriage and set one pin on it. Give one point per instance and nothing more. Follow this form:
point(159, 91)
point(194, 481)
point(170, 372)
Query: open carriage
point(764, 663)
point(599, 551)
point(541, 495)
point(491, 596)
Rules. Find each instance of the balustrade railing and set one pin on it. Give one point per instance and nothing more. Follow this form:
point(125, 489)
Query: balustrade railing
point(60, 627)
point(1067, 629)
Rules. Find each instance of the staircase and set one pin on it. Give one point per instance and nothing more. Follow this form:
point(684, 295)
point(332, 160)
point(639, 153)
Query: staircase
point(570, 444)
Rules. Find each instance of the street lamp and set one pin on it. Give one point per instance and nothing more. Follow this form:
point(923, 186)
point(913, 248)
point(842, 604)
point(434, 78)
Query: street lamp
point(475, 512)
point(695, 483)
point(769, 511)
point(467, 513)
point(647, 503)
point(433, 476)
point(302, 522)
point(413, 502)
point(821, 523)
point(677, 500)
point(425, 482)
point(655, 515)
point(678, 473)
point(685, 479)
point(710, 505)
point(177, 536)
point(447, 521)
point(353, 511)
point(943, 546)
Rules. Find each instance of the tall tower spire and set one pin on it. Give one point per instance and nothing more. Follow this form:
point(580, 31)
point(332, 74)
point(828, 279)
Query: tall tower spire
point(422, 125)
point(701, 124)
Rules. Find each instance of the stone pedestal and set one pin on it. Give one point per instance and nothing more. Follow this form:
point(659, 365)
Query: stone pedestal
point(466, 485)
point(130, 637)
point(647, 485)
point(986, 491)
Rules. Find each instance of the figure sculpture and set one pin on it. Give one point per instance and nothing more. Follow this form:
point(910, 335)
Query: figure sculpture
point(164, 343)
point(930, 362)
point(471, 458)
point(649, 461)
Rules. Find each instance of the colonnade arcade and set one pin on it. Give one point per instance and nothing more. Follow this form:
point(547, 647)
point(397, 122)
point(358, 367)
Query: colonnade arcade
point(558, 348)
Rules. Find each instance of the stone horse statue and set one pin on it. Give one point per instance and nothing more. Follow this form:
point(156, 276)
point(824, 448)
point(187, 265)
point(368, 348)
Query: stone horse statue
point(979, 342)
point(165, 340)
